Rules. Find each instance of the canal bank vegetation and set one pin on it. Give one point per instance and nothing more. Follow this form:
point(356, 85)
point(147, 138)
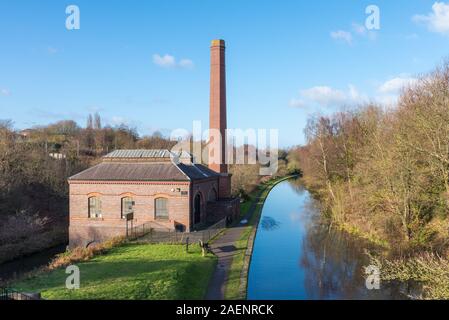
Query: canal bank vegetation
point(428, 269)
point(246, 178)
point(125, 271)
point(383, 173)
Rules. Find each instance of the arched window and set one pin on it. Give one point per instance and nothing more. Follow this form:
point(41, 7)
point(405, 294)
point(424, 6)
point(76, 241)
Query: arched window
point(94, 207)
point(127, 206)
point(212, 197)
point(197, 209)
point(161, 209)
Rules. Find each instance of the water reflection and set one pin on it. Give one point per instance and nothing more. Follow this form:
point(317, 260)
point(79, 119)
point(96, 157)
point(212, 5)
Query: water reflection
point(268, 223)
point(297, 256)
point(15, 269)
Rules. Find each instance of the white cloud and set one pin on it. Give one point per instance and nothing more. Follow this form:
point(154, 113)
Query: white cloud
point(166, 61)
point(169, 61)
point(342, 35)
point(358, 30)
point(5, 92)
point(324, 96)
point(186, 63)
point(386, 93)
point(437, 20)
point(396, 84)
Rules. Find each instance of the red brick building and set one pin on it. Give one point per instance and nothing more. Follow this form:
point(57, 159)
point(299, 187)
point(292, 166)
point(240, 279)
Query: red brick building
point(159, 187)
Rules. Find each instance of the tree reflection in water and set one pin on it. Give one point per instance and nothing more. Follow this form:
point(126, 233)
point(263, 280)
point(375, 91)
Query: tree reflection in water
point(333, 263)
point(297, 256)
point(269, 224)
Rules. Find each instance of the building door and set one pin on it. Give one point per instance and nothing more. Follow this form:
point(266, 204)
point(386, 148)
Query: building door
point(197, 209)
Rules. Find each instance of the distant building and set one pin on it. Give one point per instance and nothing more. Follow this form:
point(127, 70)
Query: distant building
point(57, 155)
point(26, 132)
point(158, 187)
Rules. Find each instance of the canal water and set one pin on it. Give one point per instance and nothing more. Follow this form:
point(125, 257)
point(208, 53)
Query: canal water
point(296, 257)
point(14, 269)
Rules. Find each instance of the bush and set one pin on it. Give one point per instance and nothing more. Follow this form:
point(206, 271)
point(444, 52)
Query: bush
point(79, 254)
point(428, 269)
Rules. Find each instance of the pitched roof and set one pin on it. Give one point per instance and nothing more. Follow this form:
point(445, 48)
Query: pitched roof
point(144, 165)
point(197, 171)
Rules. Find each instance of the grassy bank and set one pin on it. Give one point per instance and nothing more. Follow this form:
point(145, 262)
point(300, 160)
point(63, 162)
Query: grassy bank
point(238, 273)
point(132, 271)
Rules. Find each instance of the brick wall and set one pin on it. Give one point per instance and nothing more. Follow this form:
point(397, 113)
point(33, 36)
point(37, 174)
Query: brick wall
point(222, 209)
point(206, 190)
point(83, 230)
point(225, 186)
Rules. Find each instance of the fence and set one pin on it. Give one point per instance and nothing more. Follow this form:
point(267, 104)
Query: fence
point(11, 294)
point(148, 234)
point(144, 229)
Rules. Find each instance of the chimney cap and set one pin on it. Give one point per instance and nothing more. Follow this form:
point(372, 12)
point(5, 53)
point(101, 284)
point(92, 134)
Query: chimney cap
point(218, 43)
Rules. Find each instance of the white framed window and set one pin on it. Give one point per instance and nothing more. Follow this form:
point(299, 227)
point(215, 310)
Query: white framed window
point(127, 206)
point(161, 209)
point(94, 207)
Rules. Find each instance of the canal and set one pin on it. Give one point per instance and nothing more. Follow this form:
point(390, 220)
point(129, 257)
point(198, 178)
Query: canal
point(15, 269)
point(297, 257)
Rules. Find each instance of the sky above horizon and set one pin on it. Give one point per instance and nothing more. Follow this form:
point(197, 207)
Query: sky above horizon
point(146, 63)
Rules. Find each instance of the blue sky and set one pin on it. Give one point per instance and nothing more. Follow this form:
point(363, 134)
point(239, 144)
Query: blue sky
point(146, 63)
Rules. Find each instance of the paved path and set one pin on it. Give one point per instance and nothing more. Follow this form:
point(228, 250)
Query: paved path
point(224, 248)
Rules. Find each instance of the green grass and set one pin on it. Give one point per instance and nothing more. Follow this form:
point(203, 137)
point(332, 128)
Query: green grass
point(132, 271)
point(253, 196)
point(244, 207)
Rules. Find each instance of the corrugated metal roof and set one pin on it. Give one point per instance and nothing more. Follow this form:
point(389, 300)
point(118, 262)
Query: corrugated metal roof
point(138, 170)
point(131, 154)
point(156, 153)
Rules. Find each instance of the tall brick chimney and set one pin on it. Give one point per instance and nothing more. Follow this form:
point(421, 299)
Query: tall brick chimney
point(217, 116)
point(217, 113)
